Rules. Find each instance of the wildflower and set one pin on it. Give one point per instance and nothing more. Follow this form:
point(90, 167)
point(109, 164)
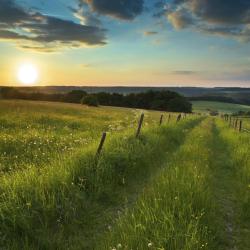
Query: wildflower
point(150, 244)
point(119, 245)
point(28, 204)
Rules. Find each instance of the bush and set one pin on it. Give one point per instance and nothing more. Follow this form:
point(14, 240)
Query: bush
point(90, 100)
point(180, 104)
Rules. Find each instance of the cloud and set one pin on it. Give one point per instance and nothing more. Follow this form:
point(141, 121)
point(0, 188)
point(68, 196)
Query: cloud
point(180, 19)
point(86, 16)
point(160, 8)
point(9, 35)
point(230, 18)
point(183, 72)
point(150, 33)
point(42, 32)
point(86, 65)
point(221, 12)
point(11, 14)
point(120, 9)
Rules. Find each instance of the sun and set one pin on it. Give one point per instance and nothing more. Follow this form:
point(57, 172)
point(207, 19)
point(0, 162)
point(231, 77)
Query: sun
point(27, 74)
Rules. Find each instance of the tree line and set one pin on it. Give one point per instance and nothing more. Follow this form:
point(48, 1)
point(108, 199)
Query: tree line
point(155, 100)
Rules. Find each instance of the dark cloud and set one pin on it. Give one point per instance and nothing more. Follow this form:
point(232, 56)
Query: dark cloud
point(160, 7)
point(6, 34)
point(222, 12)
point(11, 14)
point(121, 9)
point(52, 29)
point(219, 17)
point(41, 32)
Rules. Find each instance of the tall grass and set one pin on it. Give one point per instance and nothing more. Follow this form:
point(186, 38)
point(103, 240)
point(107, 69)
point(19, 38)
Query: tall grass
point(33, 134)
point(177, 209)
point(74, 197)
point(238, 152)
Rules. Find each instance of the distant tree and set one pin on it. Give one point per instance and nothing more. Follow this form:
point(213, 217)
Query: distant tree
point(241, 113)
point(74, 96)
point(90, 100)
point(179, 105)
point(158, 100)
point(8, 92)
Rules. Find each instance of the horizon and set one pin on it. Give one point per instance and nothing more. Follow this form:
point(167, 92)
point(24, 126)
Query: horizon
point(124, 86)
point(140, 43)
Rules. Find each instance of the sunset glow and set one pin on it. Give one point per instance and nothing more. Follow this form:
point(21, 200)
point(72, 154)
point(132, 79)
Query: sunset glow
point(27, 74)
point(126, 43)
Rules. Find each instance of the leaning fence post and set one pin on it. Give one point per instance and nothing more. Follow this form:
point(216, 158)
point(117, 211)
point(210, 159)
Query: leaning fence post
point(240, 126)
point(236, 123)
point(139, 125)
point(99, 150)
point(161, 119)
point(178, 118)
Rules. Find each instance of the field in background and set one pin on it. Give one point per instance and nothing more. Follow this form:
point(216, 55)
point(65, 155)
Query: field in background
point(178, 186)
point(206, 106)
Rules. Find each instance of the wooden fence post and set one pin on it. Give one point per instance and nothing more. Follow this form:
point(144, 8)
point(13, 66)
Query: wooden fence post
point(240, 126)
point(139, 125)
point(161, 119)
point(236, 124)
point(99, 150)
point(230, 120)
point(178, 118)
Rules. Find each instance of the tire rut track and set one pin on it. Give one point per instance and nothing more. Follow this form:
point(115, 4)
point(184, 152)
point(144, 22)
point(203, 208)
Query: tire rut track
point(223, 184)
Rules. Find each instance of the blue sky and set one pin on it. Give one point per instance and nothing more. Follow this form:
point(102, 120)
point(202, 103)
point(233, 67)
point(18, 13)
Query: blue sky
point(127, 42)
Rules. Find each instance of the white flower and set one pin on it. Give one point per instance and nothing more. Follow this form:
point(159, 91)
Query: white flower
point(150, 244)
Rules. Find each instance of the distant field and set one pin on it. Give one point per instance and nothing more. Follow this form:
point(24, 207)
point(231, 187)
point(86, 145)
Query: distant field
point(206, 106)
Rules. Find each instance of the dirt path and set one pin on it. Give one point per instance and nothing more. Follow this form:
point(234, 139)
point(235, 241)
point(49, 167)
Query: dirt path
point(223, 184)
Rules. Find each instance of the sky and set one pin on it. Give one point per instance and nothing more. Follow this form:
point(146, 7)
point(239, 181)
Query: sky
point(202, 43)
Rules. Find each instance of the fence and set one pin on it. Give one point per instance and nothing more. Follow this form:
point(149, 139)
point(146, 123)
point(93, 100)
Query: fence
point(139, 128)
point(235, 123)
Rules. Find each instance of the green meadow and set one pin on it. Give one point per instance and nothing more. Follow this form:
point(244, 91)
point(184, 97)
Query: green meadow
point(179, 186)
point(222, 107)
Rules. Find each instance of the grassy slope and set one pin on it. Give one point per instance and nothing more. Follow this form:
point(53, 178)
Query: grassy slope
point(73, 197)
point(205, 106)
point(33, 134)
point(237, 185)
point(174, 188)
point(173, 211)
point(200, 200)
